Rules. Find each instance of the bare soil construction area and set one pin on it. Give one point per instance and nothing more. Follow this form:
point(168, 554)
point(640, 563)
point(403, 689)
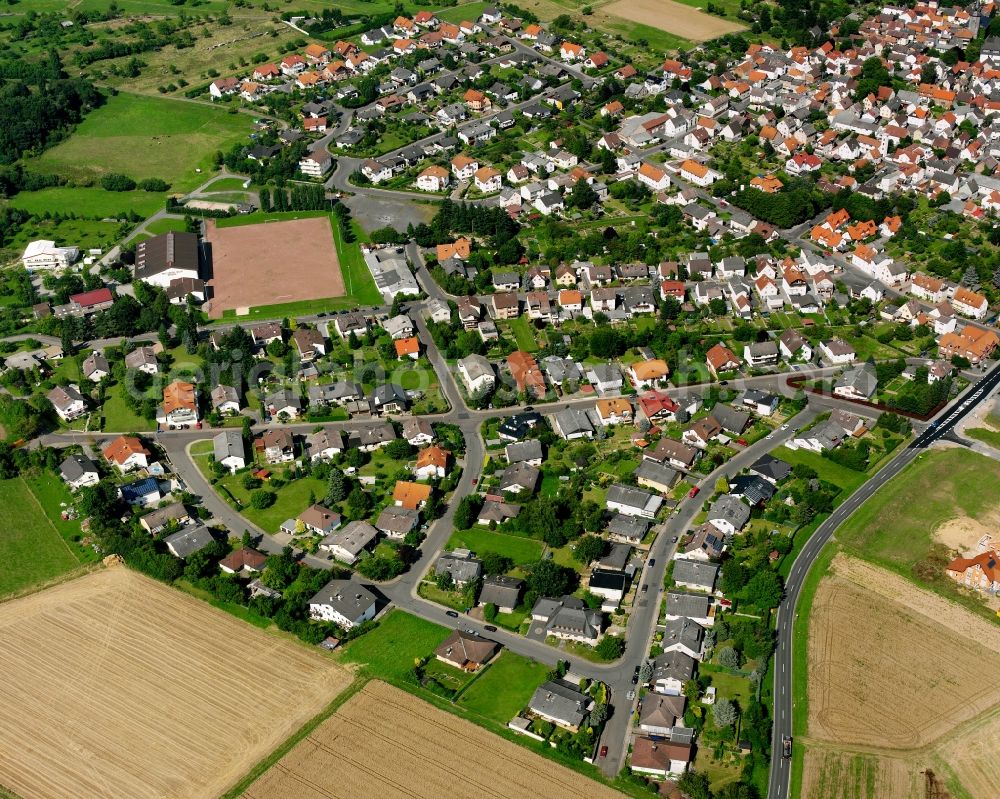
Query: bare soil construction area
point(672, 17)
point(964, 534)
point(272, 263)
point(385, 743)
point(897, 677)
point(118, 686)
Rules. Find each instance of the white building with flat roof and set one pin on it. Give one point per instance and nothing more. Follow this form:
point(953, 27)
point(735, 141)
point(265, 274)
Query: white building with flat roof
point(43, 254)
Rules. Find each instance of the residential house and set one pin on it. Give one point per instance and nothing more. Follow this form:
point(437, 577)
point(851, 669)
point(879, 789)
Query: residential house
point(858, 382)
point(432, 463)
point(186, 542)
point(95, 367)
point(465, 651)
point(671, 670)
point(660, 758)
point(721, 359)
point(343, 602)
point(318, 520)
point(569, 619)
point(646, 374)
point(228, 449)
point(519, 477)
point(396, 522)
point(126, 453)
point(347, 544)
point(277, 445)
point(728, 514)
point(180, 405)
point(632, 501)
point(659, 714)
point(172, 515)
point(461, 565)
point(476, 373)
point(502, 591)
point(560, 704)
point(142, 359)
point(980, 573)
point(78, 471)
point(68, 402)
point(685, 636)
point(837, 351)
point(243, 562)
point(225, 400)
point(695, 574)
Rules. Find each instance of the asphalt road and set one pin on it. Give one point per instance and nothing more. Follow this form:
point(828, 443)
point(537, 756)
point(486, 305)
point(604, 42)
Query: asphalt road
point(778, 784)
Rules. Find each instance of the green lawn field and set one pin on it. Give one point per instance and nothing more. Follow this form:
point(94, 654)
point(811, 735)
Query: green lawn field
point(895, 527)
point(521, 550)
point(292, 498)
point(83, 233)
point(147, 137)
point(119, 418)
point(91, 202)
point(505, 688)
point(847, 479)
point(165, 226)
point(388, 651)
point(32, 550)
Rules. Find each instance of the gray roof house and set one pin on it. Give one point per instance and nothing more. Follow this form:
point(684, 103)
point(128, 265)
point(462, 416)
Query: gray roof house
point(461, 564)
point(561, 704)
point(527, 451)
point(771, 469)
point(696, 607)
point(501, 590)
point(229, 450)
point(347, 544)
point(572, 423)
point(697, 574)
point(633, 501)
point(729, 419)
point(683, 635)
point(627, 529)
point(185, 543)
point(655, 475)
point(858, 382)
point(729, 514)
point(343, 602)
point(79, 470)
point(519, 477)
point(569, 619)
point(671, 670)
point(396, 522)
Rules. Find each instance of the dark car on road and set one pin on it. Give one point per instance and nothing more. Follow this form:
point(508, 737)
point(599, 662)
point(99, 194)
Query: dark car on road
point(452, 613)
point(490, 628)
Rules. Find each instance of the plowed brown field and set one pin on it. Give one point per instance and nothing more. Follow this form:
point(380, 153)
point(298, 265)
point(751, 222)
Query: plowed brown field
point(385, 743)
point(900, 681)
point(117, 686)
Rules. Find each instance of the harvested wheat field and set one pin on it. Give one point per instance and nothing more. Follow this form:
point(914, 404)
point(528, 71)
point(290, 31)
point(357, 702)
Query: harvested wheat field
point(843, 775)
point(973, 756)
point(894, 667)
point(898, 684)
point(385, 743)
point(118, 686)
point(676, 18)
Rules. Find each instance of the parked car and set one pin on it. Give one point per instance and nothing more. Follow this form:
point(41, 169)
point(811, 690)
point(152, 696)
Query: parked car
point(490, 628)
point(694, 491)
point(652, 562)
point(604, 751)
point(452, 613)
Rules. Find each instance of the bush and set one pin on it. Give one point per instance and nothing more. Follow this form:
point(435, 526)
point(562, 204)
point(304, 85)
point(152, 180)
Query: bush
point(262, 498)
point(154, 184)
point(115, 182)
point(610, 647)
